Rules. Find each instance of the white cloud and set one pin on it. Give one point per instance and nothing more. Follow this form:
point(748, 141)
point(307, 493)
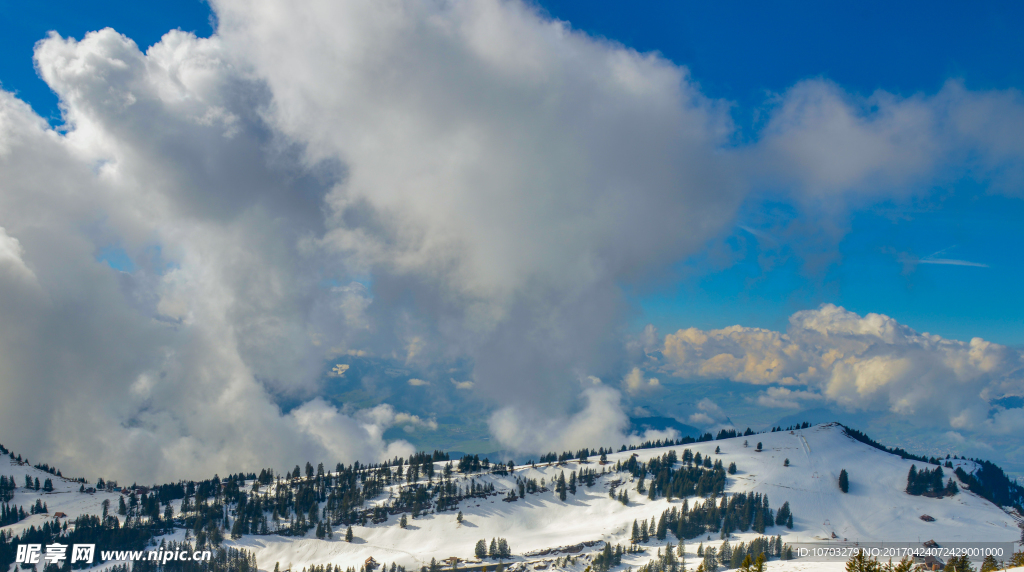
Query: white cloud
point(417, 382)
point(339, 370)
point(635, 383)
point(422, 181)
point(600, 422)
point(868, 363)
point(824, 140)
point(708, 414)
point(413, 422)
point(787, 398)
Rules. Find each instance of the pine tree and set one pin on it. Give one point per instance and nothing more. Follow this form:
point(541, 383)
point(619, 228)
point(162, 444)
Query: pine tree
point(759, 563)
point(635, 539)
point(459, 517)
point(493, 550)
point(403, 522)
point(710, 559)
point(348, 532)
point(860, 562)
point(959, 564)
point(481, 549)
point(844, 481)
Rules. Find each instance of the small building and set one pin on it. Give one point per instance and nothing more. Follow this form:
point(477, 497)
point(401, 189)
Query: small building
point(370, 564)
point(59, 515)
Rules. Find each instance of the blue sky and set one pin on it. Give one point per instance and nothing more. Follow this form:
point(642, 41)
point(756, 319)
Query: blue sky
point(466, 205)
point(744, 52)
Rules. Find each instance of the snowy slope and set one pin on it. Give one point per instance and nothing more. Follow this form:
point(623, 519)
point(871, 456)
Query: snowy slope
point(65, 497)
point(875, 509)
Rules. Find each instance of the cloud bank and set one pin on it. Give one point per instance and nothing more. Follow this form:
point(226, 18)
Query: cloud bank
point(870, 363)
point(422, 181)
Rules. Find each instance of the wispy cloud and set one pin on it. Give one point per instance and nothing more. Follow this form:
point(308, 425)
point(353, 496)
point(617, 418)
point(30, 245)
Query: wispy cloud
point(933, 259)
point(760, 234)
point(951, 262)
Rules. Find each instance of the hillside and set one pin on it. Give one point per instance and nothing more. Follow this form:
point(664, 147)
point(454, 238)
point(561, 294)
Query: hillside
point(876, 508)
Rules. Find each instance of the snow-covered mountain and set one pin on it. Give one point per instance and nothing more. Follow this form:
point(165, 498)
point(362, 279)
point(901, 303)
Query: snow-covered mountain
point(539, 526)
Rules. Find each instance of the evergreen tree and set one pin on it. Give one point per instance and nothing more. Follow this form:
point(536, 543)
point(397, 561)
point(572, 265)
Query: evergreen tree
point(459, 517)
point(481, 549)
point(662, 530)
point(348, 532)
point(860, 562)
point(959, 564)
point(725, 553)
point(403, 522)
point(844, 481)
point(912, 480)
point(783, 515)
point(492, 552)
point(710, 559)
point(635, 539)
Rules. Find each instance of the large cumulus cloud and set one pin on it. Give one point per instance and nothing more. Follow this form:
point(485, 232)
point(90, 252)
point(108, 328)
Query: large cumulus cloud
point(426, 181)
point(867, 363)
